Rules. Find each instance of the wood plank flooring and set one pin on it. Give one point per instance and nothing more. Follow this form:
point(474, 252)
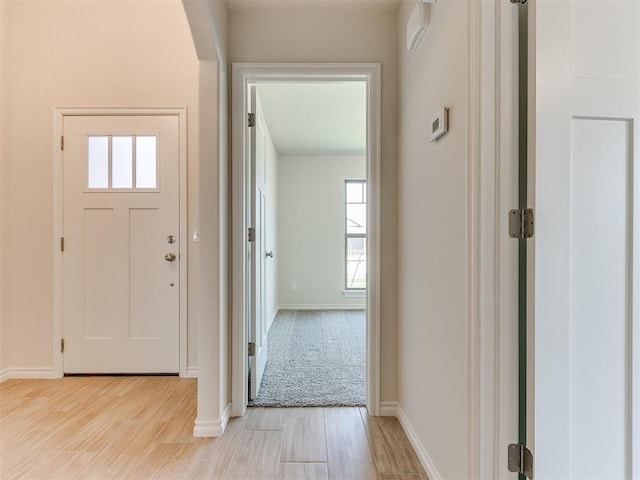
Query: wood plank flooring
point(141, 427)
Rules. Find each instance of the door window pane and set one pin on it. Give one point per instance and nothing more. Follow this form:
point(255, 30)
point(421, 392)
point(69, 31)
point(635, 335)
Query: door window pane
point(98, 162)
point(146, 161)
point(122, 162)
point(111, 163)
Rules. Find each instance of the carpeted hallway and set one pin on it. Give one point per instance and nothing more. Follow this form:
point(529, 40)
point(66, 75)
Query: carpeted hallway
point(315, 358)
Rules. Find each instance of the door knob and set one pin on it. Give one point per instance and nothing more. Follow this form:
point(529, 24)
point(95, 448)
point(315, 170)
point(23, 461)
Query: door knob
point(170, 257)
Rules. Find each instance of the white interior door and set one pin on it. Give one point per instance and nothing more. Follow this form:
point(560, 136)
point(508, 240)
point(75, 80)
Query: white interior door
point(258, 315)
point(121, 244)
point(586, 407)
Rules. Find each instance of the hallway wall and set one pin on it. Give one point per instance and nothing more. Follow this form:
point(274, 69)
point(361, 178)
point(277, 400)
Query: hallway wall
point(341, 34)
point(432, 238)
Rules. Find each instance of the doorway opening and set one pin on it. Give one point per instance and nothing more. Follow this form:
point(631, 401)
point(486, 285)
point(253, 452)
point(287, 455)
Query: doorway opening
point(306, 200)
point(307, 264)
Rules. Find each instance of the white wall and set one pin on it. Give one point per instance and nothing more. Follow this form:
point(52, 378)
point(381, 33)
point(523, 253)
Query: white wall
point(311, 229)
point(341, 33)
point(80, 54)
point(432, 239)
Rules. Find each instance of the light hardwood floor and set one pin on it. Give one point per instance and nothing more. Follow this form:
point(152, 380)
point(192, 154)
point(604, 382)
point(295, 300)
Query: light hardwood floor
point(141, 427)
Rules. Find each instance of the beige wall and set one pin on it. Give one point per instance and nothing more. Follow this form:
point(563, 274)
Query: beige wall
point(432, 238)
point(4, 184)
point(81, 54)
point(311, 229)
point(341, 34)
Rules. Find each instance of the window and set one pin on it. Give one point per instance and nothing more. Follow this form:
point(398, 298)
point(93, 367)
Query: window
point(122, 162)
point(355, 234)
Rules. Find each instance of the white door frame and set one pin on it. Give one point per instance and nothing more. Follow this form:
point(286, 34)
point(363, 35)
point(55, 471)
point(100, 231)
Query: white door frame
point(243, 75)
point(58, 211)
point(493, 270)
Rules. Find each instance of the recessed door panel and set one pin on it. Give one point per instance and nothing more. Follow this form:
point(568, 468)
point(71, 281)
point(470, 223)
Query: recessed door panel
point(100, 274)
point(146, 306)
point(599, 298)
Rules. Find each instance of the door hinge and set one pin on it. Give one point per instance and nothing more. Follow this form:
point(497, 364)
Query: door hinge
point(62, 142)
point(62, 345)
point(252, 120)
point(252, 349)
point(520, 459)
point(521, 223)
point(252, 234)
point(62, 244)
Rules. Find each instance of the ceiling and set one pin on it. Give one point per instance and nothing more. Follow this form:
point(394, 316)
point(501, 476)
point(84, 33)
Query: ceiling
point(235, 5)
point(316, 118)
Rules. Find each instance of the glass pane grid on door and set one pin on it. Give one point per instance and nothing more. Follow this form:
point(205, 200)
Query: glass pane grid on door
point(122, 163)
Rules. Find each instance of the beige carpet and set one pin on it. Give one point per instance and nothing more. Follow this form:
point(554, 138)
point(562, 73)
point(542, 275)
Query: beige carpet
point(315, 358)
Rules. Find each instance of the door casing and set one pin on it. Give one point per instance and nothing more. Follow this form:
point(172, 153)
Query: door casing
point(58, 215)
point(249, 73)
point(492, 166)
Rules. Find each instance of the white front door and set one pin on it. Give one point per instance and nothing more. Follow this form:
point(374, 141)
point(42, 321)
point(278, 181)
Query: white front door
point(586, 339)
point(258, 310)
point(121, 244)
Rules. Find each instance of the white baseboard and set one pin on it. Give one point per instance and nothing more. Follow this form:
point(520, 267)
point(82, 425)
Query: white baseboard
point(43, 372)
point(321, 307)
point(192, 372)
point(427, 464)
point(388, 409)
point(212, 428)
